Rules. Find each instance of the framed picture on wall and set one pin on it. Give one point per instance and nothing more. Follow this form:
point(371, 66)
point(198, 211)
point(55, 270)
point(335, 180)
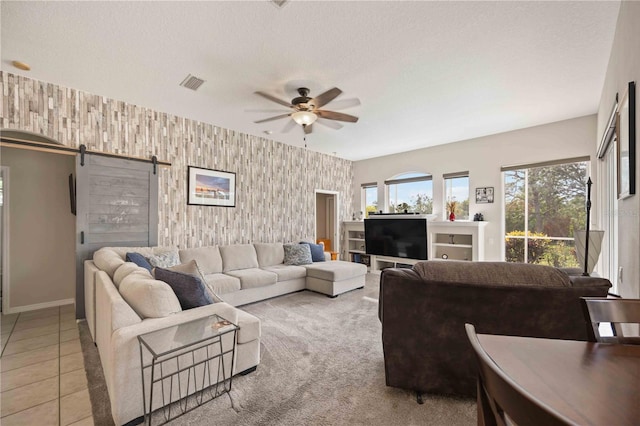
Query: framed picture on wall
point(484, 195)
point(207, 187)
point(626, 132)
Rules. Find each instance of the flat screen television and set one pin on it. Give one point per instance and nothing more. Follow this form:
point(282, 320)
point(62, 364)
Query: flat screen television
point(396, 237)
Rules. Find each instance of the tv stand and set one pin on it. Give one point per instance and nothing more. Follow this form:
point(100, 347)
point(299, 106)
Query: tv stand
point(378, 263)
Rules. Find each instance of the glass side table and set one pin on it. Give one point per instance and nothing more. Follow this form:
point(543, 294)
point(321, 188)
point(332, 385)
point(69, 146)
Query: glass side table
point(188, 364)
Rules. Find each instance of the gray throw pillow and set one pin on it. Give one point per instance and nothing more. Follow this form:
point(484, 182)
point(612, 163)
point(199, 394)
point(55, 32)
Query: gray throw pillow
point(297, 254)
point(189, 289)
point(164, 260)
point(317, 251)
point(192, 268)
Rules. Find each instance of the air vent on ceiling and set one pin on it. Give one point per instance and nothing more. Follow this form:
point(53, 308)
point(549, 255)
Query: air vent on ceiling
point(192, 82)
point(279, 3)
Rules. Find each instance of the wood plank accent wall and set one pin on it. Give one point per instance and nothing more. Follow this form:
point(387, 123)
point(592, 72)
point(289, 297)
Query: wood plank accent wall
point(275, 182)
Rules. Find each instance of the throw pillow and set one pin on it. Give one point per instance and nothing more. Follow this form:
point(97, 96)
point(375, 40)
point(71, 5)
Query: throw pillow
point(191, 268)
point(164, 260)
point(297, 254)
point(189, 290)
point(139, 260)
point(317, 251)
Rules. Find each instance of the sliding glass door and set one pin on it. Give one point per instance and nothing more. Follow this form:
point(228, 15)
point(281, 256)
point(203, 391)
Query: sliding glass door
point(544, 205)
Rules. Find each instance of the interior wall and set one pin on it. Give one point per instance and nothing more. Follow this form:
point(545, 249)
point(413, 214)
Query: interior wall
point(624, 66)
point(483, 157)
point(321, 216)
point(275, 183)
point(41, 228)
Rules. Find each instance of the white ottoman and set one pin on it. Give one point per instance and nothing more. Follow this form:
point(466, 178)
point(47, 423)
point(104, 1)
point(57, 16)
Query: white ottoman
point(335, 277)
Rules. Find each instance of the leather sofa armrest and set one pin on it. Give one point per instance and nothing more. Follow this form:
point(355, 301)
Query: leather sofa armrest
point(394, 279)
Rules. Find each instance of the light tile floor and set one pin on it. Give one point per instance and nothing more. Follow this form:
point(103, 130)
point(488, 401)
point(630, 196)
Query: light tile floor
point(42, 376)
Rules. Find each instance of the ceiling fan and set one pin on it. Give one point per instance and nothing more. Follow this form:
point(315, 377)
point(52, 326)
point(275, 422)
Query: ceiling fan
point(306, 110)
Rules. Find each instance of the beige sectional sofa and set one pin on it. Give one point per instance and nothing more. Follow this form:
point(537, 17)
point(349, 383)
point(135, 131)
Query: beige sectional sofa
point(123, 300)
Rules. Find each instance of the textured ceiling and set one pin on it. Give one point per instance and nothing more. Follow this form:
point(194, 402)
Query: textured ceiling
point(426, 73)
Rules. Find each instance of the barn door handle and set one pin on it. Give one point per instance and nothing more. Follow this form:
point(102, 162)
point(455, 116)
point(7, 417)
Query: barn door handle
point(83, 150)
point(81, 237)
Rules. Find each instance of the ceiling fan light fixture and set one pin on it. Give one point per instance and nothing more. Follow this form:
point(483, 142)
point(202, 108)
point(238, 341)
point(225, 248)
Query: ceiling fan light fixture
point(304, 118)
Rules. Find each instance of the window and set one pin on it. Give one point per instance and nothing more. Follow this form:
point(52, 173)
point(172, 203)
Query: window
point(544, 205)
point(412, 192)
point(370, 198)
point(456, 189)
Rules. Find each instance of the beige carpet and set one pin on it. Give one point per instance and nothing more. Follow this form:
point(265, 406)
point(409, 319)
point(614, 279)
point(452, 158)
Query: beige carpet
point(322, 364)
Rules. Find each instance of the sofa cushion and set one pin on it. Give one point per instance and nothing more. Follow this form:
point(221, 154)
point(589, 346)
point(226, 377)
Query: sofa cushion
point(337, 270)
point(165, 259)
point(317, 251)
point(208, 258)
point(254, 277)
point(287, 272)
point(492, 273)
point(139, 260)
point(124, 270)
point(269, 254)
point(108, 260)
point(297, 254)
point(189, 288)
point(222, 283)
point(148, 297)
point(238, 256)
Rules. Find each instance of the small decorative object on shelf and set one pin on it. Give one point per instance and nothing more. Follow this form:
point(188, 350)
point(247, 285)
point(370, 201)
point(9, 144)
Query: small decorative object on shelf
point(451, 209)
point(360, 216)
point(478, 217)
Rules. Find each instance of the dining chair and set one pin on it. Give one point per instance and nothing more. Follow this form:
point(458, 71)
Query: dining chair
point(615, 311)
point(501, 401)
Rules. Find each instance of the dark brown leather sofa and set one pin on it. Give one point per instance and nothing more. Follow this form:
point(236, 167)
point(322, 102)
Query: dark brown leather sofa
point(423, 311)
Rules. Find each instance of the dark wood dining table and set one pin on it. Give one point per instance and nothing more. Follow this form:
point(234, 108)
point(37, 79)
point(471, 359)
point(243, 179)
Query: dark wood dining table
point(587, 383)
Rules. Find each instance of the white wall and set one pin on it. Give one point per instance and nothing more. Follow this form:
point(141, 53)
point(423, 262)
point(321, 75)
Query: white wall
point(624, 66)
point(483, 157)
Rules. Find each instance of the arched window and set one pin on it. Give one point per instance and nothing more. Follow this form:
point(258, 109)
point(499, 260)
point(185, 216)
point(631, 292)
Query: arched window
point(410, 192)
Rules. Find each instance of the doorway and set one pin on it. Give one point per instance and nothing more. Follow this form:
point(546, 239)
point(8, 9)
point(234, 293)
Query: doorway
point(327, 222)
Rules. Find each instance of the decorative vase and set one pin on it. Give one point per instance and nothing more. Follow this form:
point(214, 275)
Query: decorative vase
point(452, 216)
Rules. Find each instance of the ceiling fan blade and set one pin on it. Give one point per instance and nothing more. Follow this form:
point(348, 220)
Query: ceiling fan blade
point(331, 115)
point(345, 103)
point(287, 127)
point(308, 129)
point(329, 123)
point(277, 117)
point(274, 99)
point(325, 97)
point(264, 110)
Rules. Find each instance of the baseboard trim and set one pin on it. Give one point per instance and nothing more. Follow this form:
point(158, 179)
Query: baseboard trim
point(26, 308)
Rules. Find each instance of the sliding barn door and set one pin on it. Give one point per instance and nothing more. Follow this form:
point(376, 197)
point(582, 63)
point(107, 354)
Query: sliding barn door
point(117, 205)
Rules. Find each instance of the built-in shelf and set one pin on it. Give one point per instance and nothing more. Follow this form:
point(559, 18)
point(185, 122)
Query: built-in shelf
point(453, 245)
point(354, 246)
point(458, 240)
